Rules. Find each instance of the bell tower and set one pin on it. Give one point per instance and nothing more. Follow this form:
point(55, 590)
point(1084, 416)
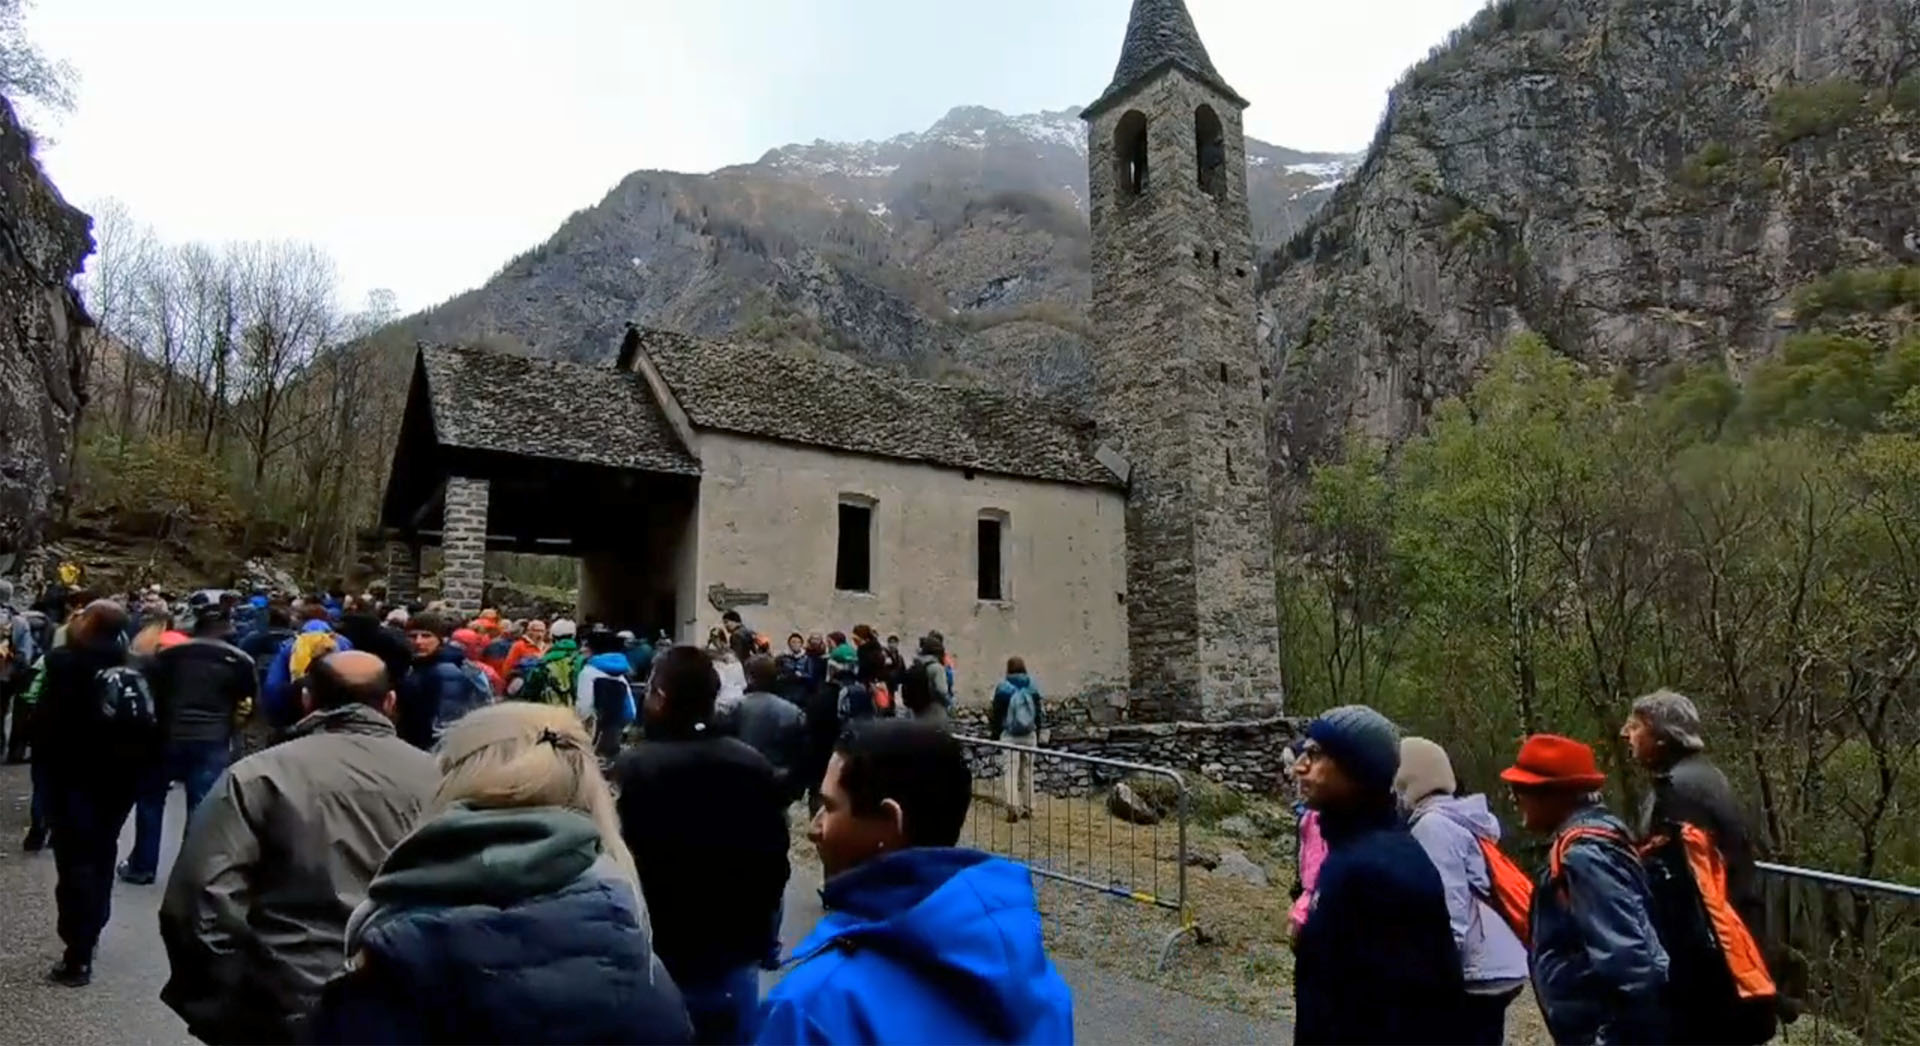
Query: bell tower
point(1177, 374)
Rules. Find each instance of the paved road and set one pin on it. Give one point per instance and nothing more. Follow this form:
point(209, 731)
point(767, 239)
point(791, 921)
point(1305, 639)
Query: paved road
point(122, 1006)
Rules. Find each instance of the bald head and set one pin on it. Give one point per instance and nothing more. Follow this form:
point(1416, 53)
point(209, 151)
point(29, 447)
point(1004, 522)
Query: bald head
point(346, 678)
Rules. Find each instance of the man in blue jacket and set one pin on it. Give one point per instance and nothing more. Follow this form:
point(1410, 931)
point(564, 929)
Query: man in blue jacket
point(1375, 962)
point(922, 942)
point(1599, 970)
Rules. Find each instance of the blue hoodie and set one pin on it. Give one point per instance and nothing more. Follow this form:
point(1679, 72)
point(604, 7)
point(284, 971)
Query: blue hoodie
point(923, 946)
point(281, 695)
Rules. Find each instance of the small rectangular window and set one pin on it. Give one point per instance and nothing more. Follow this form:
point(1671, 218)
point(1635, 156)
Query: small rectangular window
point(853, 567)
point(991, 582)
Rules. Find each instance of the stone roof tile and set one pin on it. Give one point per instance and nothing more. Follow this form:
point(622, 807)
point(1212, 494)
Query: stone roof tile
point(497, 401)
point(1160, 33)
point(758, 391)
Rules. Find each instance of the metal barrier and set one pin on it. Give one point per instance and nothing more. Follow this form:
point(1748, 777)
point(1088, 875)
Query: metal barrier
point(1849, 950)
point(1066, 828)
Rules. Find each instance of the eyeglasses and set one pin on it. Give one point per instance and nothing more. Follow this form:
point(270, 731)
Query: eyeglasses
point(1311, 752)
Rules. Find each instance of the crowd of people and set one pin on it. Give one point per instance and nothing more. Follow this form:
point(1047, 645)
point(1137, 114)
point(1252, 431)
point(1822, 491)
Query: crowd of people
point(1412, 925)
point(390, 807)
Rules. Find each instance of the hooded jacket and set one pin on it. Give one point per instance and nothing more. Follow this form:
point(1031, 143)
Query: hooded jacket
point(1599, 971)
point(926, 945)
point(282, 703)
point(519, 916)
point(276, 859)
point(1694, 791)
point(588, 701)
point(1450, 830)
point(1375, 962)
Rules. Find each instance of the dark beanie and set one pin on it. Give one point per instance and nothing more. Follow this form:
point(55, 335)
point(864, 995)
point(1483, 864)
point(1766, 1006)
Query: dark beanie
point(1362, 742)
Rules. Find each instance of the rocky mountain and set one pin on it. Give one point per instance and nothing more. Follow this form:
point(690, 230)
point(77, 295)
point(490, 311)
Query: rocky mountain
point(959, 252)
point(43, 242)
point(1640, 181)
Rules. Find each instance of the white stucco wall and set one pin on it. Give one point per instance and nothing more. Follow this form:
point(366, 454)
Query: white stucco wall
point(768, 520)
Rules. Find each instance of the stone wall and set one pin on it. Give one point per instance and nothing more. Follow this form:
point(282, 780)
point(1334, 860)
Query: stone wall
point(1180, 390)
point(463, 575)
point(1248, 755)
point(768, 524)
point(43, 242)
point(403, 571)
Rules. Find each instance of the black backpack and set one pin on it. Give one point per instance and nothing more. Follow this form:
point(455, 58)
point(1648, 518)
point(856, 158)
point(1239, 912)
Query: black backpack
point(125, 702)
point(916, 689)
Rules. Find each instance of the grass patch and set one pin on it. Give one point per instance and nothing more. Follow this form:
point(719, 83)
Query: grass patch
point(1809, 110)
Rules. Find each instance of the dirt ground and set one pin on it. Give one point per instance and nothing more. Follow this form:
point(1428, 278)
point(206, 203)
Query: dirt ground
point(1237, 954)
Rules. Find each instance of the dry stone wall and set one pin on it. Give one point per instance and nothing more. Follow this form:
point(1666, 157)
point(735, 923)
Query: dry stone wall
point(1247, 755)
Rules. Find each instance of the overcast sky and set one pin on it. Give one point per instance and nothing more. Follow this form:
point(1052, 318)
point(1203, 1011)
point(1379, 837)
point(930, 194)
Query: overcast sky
point(423, 142)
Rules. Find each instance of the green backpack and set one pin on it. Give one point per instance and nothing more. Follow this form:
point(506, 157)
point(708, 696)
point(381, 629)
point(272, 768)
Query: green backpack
point(550, 681)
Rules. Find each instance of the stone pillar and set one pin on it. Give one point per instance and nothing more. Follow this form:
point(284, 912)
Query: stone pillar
point(463, 542)
point(403, 571)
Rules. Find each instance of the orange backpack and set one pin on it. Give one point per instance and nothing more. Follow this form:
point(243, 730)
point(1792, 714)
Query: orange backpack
point(882, 699)
point(1509, 891)
point(1712, 952)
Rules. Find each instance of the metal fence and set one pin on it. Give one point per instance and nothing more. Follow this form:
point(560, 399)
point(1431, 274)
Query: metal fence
point(1056, 821)
point(1848, 950)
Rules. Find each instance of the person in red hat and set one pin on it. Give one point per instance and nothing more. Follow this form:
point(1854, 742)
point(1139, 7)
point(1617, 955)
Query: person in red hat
point(1598, 970)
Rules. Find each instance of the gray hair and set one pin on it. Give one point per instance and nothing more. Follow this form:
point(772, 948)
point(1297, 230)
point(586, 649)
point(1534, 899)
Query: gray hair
point(1673, 717)
point(6, 591)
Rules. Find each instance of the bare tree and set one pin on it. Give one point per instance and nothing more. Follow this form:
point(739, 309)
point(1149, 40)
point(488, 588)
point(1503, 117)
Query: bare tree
point(286, 293)
point(26, 71)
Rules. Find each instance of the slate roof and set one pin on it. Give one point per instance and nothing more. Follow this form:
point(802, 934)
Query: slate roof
point(1160, 33)
point(542, 408)
point(759, 391)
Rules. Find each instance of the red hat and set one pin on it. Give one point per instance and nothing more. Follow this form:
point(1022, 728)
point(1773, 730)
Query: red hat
point(1552, 761)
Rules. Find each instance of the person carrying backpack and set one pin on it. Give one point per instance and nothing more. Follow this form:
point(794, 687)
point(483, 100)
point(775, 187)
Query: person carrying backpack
point(17, 654)
point(923, 687)
point(1461, 835)
point(97, 734)
point(315, 640)
point(1016, 718)
point(550, 679)
point(603, 693)
point(1599, 969)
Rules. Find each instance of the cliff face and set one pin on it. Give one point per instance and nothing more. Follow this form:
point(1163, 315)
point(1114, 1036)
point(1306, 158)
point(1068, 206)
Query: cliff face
point(960, 252)
point(43, 242)
point(1641, 181)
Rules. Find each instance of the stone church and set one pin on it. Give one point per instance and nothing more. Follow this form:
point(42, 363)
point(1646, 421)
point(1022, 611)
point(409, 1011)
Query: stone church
point(1128, 557)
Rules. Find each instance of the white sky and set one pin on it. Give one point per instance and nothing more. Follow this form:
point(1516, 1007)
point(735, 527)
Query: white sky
point(423, 142)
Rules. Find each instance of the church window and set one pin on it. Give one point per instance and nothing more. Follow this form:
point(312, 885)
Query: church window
point(1130, 153)
point(1210, 150)
point(853, 566)
point(991, 556)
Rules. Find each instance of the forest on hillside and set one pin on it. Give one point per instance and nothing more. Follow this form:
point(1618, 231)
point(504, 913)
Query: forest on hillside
point(1558, 542)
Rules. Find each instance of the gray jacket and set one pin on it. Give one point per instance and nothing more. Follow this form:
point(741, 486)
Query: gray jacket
point(1450, 830)
point(776, 728)
point(275, 862)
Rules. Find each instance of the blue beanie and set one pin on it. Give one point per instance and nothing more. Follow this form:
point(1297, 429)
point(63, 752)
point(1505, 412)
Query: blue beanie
point(1364, 743)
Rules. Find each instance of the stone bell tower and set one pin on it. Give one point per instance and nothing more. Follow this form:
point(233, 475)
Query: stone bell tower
point(1178, 376)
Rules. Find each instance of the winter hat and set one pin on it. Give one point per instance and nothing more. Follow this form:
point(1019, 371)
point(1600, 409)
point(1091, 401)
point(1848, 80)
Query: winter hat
point(1361, 742)
point(563, 629)
point(467, 639)
point(1424, 770)
point(1552, 761)
point(844, 654)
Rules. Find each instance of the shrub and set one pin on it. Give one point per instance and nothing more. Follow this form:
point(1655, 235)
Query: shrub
point(1809, 110)
point(1906, 95)
point(1857, 291)
point(1709, 166)
point(1470, 226)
